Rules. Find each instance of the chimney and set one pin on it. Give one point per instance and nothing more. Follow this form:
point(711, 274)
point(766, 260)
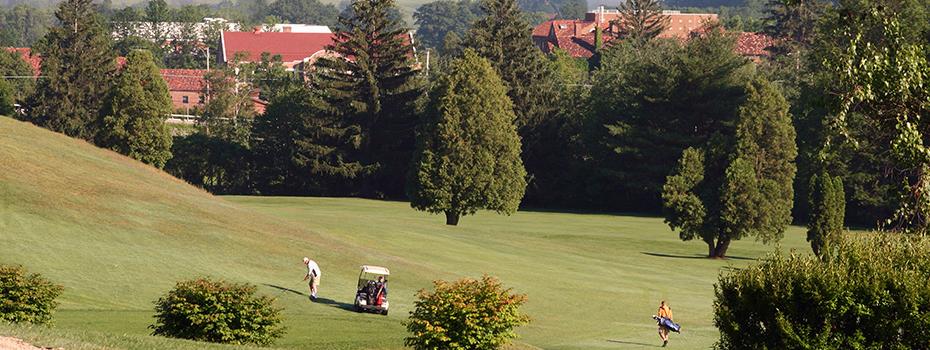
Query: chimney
point(256, 29)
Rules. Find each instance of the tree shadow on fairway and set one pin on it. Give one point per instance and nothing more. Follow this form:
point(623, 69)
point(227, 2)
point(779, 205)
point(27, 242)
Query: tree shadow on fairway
point(695, 256)
point(632, 343)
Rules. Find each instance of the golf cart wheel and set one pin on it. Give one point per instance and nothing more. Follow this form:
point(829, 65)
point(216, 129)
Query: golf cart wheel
point(384, 312)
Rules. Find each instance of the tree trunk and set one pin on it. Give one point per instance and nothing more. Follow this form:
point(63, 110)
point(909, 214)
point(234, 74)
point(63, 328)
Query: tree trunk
point(710, 248)
point(720, 252)
point(452, 218)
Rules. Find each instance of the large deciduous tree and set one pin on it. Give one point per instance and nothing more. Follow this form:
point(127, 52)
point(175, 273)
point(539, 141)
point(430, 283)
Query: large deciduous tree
point(652, 102)
point(878, 63)
point(372, 85)
point(468, 154)
point(641, 20)
point(740, 183)
point(304, 11)
point(437, 19)
point(77, 65)
point(133, 121)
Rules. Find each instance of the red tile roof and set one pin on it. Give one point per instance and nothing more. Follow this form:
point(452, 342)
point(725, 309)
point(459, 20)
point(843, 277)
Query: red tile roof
point(577, 36)
point(184, 79)
point(753, 44)
point(26, 53)
point(291, 46)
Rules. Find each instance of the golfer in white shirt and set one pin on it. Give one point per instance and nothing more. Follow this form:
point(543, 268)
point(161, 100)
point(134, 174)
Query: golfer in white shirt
point(313, 274)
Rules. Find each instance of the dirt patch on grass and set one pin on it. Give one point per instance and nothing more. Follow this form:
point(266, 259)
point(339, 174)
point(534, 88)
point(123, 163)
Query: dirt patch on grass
point(7, 343)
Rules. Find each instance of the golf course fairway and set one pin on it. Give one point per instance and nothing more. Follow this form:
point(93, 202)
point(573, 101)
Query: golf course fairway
point(117, 234)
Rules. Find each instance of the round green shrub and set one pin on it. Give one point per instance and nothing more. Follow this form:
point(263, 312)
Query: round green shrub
point(26, 298)
point(873, 292)
point(219, 312)
point(466, 314)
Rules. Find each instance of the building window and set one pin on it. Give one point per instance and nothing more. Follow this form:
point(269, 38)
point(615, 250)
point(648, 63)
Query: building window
point(185, 100)
point(200, 101)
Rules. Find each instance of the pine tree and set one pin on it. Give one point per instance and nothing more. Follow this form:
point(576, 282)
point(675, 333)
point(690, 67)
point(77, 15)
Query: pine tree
point(297, 146)
point(468, 153)
point(372, 85)
point(641, 20)
point(77, 63)
point(503, 37)
point(720, 196)
point(134, 114)
point(828, 211)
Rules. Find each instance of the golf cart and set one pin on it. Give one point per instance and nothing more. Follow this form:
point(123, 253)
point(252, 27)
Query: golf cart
point(372, 293)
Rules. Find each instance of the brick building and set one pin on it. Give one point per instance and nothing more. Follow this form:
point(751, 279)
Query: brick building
point(576, 37)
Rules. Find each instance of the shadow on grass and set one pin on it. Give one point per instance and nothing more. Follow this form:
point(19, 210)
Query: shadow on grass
point(333, 303)
point(632, 343)
point(695, 256)
point(324, 301)
point(282, 290)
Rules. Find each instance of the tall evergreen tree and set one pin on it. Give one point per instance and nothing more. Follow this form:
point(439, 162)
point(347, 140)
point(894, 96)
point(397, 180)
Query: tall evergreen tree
point(740, 183)
point(827, 212)
point(371, 84)
point(77, 63)
point(641, 20)
point(468, 153)
point(503, 37)
point(134, 114)
point(297, 146)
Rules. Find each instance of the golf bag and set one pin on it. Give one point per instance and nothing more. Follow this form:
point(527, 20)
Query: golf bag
point(667, 323)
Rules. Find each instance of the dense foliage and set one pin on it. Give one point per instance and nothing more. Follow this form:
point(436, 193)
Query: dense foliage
point(652, 102)
point(26, 298)
point(828, 212)
point(436, 20)
point(466, 314)
point(219, 312)
point(78, 64)
point(374, 95)
point(468, 153)
point(740, 182)
point(13, 65)
point(872, 293)
point(134, 115)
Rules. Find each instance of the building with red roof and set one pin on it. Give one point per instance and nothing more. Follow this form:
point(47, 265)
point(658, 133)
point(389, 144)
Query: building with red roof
point(186, 87)
point(576, 37)
point(755, 46)
point(294, 48)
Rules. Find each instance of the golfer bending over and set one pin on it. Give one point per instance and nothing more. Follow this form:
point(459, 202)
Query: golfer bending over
point(664, 311)
point(313, 274)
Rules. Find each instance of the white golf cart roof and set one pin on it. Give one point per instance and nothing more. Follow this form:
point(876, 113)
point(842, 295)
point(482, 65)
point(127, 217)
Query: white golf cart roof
point(375, 270)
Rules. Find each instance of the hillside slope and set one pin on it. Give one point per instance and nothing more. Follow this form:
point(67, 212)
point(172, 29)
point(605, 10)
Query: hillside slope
point(118, 234)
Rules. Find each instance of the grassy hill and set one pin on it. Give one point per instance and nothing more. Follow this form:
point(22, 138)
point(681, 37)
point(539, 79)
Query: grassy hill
point(118, 234)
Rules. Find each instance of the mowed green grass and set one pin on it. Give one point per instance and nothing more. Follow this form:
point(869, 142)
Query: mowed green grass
point(118, 234)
